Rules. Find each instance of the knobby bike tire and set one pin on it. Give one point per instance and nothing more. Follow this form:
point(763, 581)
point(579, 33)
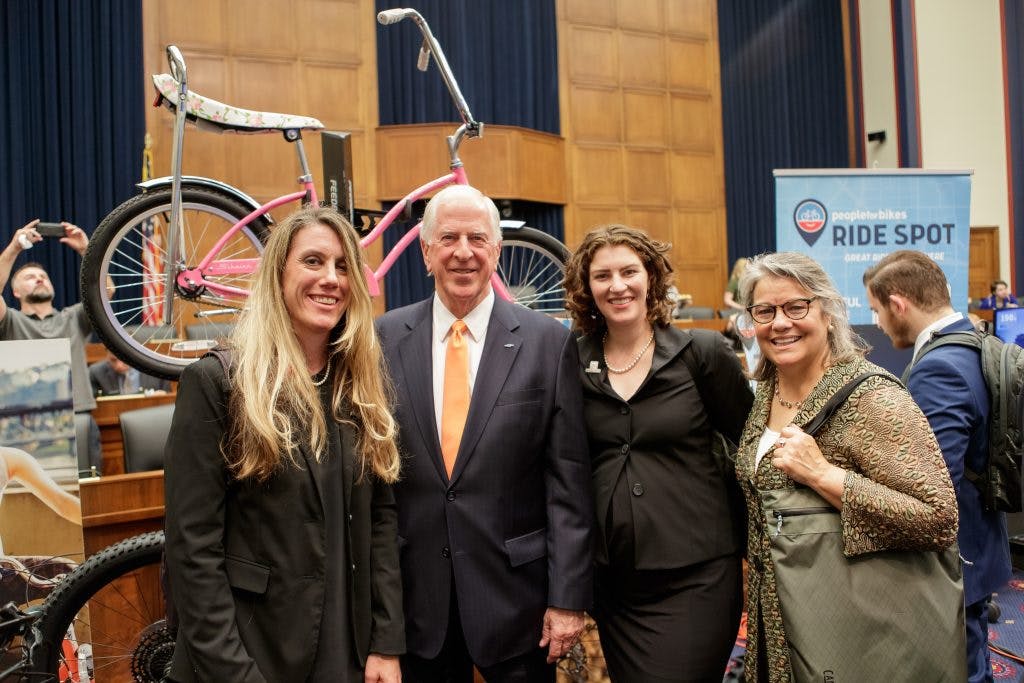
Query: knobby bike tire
point(108, 580)
point(129, 245)
point(532, 267)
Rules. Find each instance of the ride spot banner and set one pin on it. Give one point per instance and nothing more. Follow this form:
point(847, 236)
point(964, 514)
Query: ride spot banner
point(849, 219)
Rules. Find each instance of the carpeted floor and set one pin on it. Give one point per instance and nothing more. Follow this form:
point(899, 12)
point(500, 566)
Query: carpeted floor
point(1006, 635)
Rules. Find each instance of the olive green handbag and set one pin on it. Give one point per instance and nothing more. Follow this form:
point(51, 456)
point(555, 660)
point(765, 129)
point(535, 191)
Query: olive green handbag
point(885, 616)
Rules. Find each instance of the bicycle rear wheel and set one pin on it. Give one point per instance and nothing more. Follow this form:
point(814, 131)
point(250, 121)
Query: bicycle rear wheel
point(129, 248)
point(115, 604)
point(532, 265)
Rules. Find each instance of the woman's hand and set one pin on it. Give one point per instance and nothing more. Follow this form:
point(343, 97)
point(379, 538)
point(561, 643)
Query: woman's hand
point(382, 669)
point(798, 456)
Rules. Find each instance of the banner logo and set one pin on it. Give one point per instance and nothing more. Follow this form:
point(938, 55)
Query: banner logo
point(810, 218)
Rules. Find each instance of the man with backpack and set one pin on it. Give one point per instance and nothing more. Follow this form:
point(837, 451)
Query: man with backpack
point(909, 294)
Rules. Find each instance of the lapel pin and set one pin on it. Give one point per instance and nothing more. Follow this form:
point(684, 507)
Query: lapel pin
point(593, 368)
point(510, 346)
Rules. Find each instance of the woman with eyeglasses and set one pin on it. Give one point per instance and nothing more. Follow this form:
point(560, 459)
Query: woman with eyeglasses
point(876, 460)
point(668, 577)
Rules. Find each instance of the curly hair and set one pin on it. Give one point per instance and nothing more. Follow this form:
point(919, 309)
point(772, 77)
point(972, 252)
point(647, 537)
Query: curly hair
point(273, 402)
point(579, 300)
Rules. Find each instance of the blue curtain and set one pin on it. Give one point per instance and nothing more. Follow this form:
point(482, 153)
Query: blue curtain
point(783, 105)
point(504, 56)
point(1014, 22)
point(72, 120)
point(906, 83)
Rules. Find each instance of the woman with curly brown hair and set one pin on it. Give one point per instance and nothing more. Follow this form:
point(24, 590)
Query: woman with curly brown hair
point(668, 589)
point(282, 551)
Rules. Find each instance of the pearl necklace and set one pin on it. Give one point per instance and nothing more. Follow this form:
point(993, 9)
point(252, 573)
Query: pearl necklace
point(327, 371)
point(789, 404)
point(632, 363)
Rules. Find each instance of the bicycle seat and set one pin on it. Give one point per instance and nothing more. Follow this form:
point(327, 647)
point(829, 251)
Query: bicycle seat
point(226, 117)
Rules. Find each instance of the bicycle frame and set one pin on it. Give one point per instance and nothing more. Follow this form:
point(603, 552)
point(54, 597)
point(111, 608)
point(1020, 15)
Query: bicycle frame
point(194, 277)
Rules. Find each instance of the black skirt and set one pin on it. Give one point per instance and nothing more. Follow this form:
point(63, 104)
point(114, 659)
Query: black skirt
point(675, 625)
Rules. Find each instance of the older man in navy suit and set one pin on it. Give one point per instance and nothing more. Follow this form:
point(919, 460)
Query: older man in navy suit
point(909, 293)
point(494, 504)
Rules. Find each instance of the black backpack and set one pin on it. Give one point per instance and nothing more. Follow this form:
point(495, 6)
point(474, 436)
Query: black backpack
point(1002, 366)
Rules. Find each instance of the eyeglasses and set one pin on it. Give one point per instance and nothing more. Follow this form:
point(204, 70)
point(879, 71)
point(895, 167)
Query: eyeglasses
point(795, 309)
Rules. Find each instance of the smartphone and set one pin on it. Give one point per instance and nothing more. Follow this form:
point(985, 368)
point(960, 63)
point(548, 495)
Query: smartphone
point(50, 229)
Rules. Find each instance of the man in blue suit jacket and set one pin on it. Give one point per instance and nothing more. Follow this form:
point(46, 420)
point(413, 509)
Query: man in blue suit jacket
point(909, 294)
point(494, 534)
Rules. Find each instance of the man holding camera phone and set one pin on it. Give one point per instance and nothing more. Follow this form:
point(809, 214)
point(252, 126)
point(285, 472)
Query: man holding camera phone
point(38, 319)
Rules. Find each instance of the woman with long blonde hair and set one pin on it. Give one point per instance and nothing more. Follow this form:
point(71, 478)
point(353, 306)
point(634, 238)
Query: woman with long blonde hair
point(281, 542)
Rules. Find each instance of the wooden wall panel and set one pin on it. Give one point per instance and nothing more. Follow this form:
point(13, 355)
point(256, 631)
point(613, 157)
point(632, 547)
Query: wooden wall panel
point(260, 54)
point(641, 115)
point(592, 55)
point(596, 115)
point(693, 17)
point(646, 119)
point(642, 15)
point(592, 12)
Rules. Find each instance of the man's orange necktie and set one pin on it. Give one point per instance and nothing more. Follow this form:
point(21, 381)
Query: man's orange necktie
point(455, 404)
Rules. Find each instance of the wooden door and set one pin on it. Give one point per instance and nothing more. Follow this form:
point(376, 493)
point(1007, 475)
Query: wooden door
point(983, 263)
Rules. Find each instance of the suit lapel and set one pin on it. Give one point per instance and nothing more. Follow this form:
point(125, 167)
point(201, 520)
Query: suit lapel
point(501, 348)
point(417, 368)
point(314, 471)
point(347, 440)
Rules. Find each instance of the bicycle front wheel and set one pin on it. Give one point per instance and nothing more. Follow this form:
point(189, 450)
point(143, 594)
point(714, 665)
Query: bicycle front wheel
point(113, 605)
point(123, 277)
point(532, 266)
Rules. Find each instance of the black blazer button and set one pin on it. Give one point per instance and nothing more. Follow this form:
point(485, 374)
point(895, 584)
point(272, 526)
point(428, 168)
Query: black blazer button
point(445, 553)
point(625, 448)
point(638, 489)
point(624, 410)
point(451, 495)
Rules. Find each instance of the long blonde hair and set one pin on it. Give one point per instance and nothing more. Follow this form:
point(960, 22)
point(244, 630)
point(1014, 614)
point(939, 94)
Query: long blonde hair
point(273, 403)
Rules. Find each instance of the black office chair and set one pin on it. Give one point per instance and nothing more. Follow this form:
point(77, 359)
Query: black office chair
point(144, 432)
point(87, 445)
point(146, 333)
point(697, 313)
point(725, 313)
point(207, 329)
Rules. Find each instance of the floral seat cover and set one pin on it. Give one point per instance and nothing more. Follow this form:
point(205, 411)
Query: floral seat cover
point(231, 118)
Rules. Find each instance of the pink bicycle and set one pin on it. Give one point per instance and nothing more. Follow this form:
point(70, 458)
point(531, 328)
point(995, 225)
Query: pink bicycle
point(177, 259)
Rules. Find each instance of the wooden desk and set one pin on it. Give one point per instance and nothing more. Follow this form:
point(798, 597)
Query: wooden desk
point(108, 417)
point(113, 509)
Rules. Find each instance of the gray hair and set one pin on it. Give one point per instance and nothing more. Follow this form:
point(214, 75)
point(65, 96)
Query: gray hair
point(844, 344)
point(460, 194)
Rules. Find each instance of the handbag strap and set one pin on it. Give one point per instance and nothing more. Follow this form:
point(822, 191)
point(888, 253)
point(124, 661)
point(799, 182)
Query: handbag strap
point(834, 403)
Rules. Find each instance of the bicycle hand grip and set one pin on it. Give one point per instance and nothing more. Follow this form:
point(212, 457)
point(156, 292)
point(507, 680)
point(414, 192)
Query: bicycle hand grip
point(393, 16)
point(177, 62)
point(424, 59)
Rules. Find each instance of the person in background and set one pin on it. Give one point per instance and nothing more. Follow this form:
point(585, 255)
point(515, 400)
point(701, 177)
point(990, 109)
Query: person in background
point(112, 377)
point(494, 504)
point(909, 294)
point(668, 592)
point(282, 557)
point(38, 319)
point(876, 460)
point(732, 298)
point(1000, 297)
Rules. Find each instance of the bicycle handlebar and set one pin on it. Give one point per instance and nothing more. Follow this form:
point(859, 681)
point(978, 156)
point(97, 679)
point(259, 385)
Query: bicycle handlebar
point(431, 46)
point(177, 64)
